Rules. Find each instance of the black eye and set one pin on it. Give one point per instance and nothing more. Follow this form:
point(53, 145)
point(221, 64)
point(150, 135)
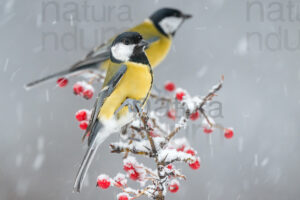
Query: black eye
point(126, 42)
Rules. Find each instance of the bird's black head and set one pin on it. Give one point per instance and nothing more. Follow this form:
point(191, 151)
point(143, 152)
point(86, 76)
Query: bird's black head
point(129, 46)
point(168, 20)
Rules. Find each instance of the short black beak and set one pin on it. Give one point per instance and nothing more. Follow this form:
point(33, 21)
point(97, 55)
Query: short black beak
point(143, 43)
point(186, 16)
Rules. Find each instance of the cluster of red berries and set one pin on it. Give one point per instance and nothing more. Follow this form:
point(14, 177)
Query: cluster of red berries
point(104, 182)
point(194, 165)
point(170, 87)
point(83, 89)
point(228, 132)
point(83, 116)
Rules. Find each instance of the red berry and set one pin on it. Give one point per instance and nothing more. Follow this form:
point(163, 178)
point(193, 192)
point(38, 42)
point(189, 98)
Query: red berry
point(103, 181)
point(228, 133)
point(120, 180)
point(78, 88)
point(62, 82)
point(88, 94)
point(195, 165)
point(170, 86)
point(191, 152)
point(179, 95)
point(134, 175)
point(81, 115)
point(83, 125)
point(174, 186)
point(181, 148)
point(127, 167)
point(207, 130)
point(123, 196)
point(194, 115)
point(172, 114)
point(170, 166)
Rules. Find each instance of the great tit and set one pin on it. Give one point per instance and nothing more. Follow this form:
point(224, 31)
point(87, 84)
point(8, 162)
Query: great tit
point(124, 93)
point(159, 30)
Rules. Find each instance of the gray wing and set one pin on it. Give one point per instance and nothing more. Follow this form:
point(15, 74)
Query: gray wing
point(105, 92)
point(94, 57)
point(91, 62)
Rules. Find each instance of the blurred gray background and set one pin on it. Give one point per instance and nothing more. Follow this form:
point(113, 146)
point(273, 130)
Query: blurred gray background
point(250, 42)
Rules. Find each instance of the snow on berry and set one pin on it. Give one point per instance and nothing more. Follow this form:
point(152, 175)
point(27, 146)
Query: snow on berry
point(134, 169)
point(180, 95)
point(195, 165)
point(84, 89)
point(120, 180)
point(172, 114)
point(78, 88)
point(179, 143)
point(134, 175)
point(228, 133)
point(123, 196)
point(173, 186)
point(181, 148)
point(88, 92)
point(83, 125)
point(194, 116)
point(169, 86)
point(191, 152)
point(82, 115)
point(62, 82)
point(207, 130)
point(103, 181)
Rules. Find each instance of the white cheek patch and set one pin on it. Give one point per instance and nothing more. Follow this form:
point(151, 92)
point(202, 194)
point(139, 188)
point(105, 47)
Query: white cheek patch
point(122, 52)
point(170, 24)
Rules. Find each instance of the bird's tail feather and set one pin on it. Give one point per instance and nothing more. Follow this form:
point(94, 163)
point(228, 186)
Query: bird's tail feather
point(78, 67)
point(85, 164)
point(47, 78)
point(88, 157)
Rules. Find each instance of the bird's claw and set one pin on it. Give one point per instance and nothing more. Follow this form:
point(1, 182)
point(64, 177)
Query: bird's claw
point(133, 106)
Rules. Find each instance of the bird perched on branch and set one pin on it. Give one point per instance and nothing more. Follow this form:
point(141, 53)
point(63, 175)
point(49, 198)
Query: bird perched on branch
point(159, 30)
point(126, 88)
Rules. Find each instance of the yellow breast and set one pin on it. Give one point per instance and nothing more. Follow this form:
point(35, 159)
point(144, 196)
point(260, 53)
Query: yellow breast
point(135, 84)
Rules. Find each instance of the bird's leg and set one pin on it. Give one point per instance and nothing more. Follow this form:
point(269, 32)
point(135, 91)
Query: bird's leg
point(132, 104)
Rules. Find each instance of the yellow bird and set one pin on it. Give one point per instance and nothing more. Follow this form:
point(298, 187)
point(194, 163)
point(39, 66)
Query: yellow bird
point(124, 93)
point(158, 30)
